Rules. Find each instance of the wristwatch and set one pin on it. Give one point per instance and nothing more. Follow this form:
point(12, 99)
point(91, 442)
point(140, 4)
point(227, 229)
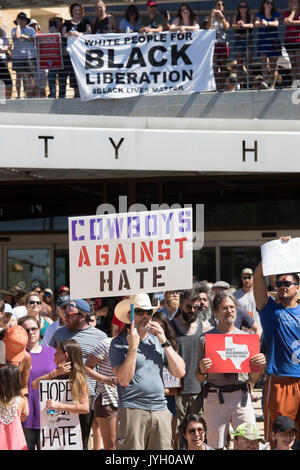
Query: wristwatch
point(166, 344)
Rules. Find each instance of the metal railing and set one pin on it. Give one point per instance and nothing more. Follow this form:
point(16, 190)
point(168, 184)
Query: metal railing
point(246, 61)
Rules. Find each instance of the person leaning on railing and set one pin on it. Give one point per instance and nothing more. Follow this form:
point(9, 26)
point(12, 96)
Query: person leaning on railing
point(269, 47)
point(4, 72)
point(23, 55)
point(242, 23)
point(292, 36)
point(76, 26)
point(220, 23)
point(185, 20)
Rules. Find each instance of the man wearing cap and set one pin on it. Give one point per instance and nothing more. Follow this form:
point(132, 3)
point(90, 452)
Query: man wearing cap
point(7, 318)
point(144, 421)
point(220, 286)
point(61, 302)
point(77, 327)
point(280, 322)
point(245, 297)
point(284, 432)
point(246, 437)
point(152, 22)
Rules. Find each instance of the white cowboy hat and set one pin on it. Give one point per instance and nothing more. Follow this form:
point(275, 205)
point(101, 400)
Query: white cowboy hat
point(139, 301)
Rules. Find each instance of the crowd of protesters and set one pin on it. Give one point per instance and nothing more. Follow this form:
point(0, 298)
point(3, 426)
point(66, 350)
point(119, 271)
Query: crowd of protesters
point(250, 29)
point(147, 385)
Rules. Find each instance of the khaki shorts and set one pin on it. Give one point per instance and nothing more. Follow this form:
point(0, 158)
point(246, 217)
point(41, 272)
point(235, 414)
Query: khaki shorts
point(144, 430)
point(219, 416)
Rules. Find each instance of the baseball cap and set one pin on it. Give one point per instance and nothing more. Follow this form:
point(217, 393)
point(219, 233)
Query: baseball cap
point(62, 288)
point(222, 284)
point(15, 340)
point(248, 431)
point(63, 300)
point(49, 291)
point(247, 271)
point(151, 3)
point(284, 423)
point(79, 304)
point(8, 309)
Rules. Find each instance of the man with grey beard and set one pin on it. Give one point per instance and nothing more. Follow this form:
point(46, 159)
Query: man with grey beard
point(188, 327)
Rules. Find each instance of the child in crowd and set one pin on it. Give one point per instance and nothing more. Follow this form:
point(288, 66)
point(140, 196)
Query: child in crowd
point(68, 358)
point(12, 407)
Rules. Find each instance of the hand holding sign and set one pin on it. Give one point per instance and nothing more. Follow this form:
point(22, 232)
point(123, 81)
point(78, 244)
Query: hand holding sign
point(204, 365)
point(281, 256)
point(133, 338)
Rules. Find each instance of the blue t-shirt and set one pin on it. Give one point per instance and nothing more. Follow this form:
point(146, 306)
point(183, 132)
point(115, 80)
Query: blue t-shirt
point(146, 389)
point(281, 327)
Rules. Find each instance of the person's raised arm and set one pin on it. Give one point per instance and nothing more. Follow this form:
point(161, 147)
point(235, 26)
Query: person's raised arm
point(126, 370)
point(260, 290)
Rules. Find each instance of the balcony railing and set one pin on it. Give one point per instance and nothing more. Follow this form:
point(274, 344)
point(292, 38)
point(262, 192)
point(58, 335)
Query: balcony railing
point(247, 61)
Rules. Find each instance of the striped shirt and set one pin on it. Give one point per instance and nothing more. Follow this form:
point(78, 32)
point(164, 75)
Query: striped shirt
point(88, 339)
point(109, 393)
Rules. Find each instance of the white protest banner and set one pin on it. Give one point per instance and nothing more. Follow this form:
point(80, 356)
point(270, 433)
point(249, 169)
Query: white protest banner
point(127, 65)
point(130, 253)
point(60, 430)
point(280, 257)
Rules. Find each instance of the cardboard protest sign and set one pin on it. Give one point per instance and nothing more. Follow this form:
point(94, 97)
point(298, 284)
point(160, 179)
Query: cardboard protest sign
point(231, 353)
point(169, 380)
point(60, 430)
point(130, 253)
point(128, 65)
point(49, 51)
point(280, 257)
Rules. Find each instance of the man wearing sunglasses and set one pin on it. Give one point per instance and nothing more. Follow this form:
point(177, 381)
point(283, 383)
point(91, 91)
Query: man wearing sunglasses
point(280, 320)
point(77, 326)
point(137, 359)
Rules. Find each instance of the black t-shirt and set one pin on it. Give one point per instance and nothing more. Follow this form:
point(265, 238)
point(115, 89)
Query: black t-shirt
point(102, 26)
point(80, 27)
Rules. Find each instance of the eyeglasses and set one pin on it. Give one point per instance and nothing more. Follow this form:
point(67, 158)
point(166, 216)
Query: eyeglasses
point(33, 302)
point(194, 430)
point(246, 277)
point(285, 283)
point(68, 315)
point(140, 312)
point(191, 307)
point(31, 330)
point(287, 433)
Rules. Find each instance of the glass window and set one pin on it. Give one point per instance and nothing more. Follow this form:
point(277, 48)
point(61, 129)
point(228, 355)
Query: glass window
point(29, 267)
point(204, 264)
point(235, 258)
point(61, 268)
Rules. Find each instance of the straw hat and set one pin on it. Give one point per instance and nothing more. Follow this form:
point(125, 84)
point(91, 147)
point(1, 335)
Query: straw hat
point(139, 301)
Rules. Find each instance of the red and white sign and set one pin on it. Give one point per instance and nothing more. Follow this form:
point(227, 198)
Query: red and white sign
point(49, 51)
point(231, 353)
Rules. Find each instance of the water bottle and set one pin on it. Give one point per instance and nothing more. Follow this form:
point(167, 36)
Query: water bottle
point(128, 30)
point(52, 417)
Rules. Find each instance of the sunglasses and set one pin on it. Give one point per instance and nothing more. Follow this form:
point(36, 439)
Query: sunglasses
point(33, 302)
point(29, 330)
point(269, 3)
point(140, 312)
point(246, 277)
point(67, 315)
point(194, 430)
point(285, 283)
point(220, 4)
point(243, 6)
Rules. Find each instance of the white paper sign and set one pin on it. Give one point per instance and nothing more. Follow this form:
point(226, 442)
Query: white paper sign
point(169, 380)
point(127, 65)
point(280, 257)
point(130, 253)
point(60, 430)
